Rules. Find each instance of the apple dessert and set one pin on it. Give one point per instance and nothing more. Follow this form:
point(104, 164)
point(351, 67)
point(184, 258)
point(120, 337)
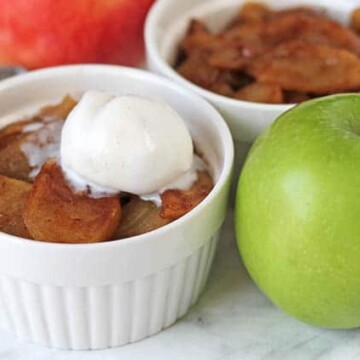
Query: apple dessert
point(274, 57)
point(100, 169)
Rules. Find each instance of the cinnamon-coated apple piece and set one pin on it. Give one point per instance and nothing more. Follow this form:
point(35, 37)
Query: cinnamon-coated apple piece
point(13, 195)
point(56, 112)
point(59, 111)
point(13, 130)
point(38, 131)
point(250, 36)
point(294, 97)
point(261, 93)
point(298, 10)
point(13, 162)
point(54, 213)
point(355, 20)
point(199, 37)
point(252, 12)
point(19, 142)
point(229, 58)
point(311, 29)
point(139, 217)
point(309, 68)
point(176, 203)
point(197, 69)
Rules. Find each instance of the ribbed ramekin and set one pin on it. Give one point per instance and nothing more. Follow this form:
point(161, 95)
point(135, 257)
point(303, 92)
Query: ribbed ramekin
point(93, 296)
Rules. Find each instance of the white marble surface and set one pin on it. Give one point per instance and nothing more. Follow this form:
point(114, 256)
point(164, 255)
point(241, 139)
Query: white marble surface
point(232, 321)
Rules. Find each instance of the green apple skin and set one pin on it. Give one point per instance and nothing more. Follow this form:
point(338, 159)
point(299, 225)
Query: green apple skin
point(298, 212)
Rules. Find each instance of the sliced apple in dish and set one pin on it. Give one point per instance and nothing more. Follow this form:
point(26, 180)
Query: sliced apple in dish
point(55, 213)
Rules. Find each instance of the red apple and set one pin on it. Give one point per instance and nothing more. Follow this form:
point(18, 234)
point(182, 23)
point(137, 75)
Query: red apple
point(41, 33)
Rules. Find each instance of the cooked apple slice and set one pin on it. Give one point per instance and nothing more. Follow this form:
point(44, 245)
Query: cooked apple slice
point(199, 37)
point(13, 195)
point(311, 29)
point(197, 69)
point(261, 92)
point(297, 24)
point(176, 203)
point(355, 20)
point(13, 162)
point(59, 111)
point(16, 129)
point(24, 149)
point(299, 10)
point(230, 58)
point(251, 12)
point(304, 67)
point(139, 217)
point(222, 88)
point(295, 97)
point(250, 36)
point(55, 213)
point(20, 128)
point(38, 133)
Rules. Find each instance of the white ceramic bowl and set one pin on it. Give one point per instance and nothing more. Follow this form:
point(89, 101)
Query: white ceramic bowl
point(166, 25)
point(92, 296)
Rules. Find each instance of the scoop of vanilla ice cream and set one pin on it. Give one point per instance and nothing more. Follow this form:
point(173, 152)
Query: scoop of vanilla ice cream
point(125, 143)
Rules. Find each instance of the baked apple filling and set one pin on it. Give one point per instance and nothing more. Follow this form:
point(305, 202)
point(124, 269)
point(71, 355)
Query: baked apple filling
point(46, 195)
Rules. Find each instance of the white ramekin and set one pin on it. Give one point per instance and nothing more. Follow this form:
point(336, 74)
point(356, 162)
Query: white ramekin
point(93, 296)
point(166, 24)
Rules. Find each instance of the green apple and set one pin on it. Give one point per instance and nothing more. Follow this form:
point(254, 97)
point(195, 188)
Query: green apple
point(298, 212)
